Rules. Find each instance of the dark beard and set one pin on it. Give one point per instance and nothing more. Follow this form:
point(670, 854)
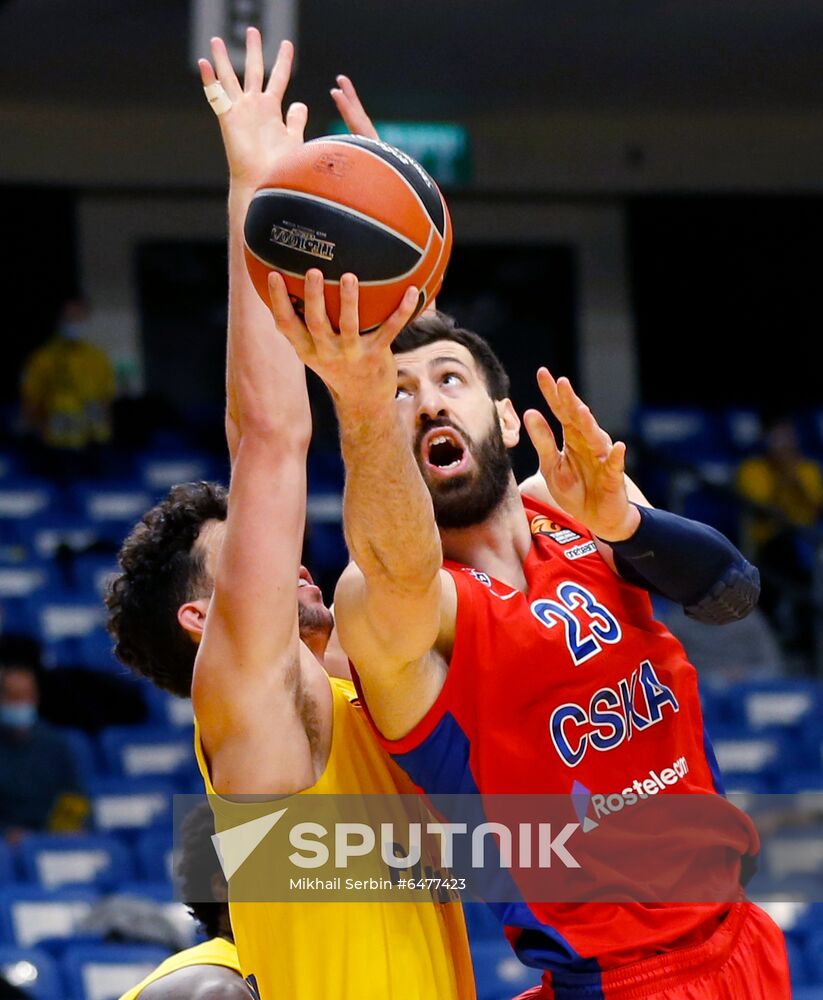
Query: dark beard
point(313, 619)
point(468, 500)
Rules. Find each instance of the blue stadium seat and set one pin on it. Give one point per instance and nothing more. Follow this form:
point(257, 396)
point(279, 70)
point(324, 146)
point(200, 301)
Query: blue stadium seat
point(499, 973)
point(796, 889)
point(30, 914)
point(798, 782)
point(91, 572)
point(31, 970)
point(64, 618)
point(683, 434)
point(83, 751)
point(92, 860)
point(113, 510)
point(105, 971)
point(155, 856)
point(716, 507)
point(147, 751)
point(742, 429)
point(167, 710)
point(20, 614)
point(178, 713)
point(22, 502)
point(26, 580)
point(46, 534)
point(6, 863)
point(767, 753)
point(747, 783)
point(160, 471)
point(10, 467)
point(808, 993)
point(796, 853)
point(129, 805)
point(790, 915)
point(798, 968)
point(814, 954)
point(96, 651)
point(123, 502)
point(778, 703)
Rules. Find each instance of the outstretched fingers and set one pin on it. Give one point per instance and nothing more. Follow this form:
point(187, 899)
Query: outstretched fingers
point(224, 69)
point(207, 74)
point(351, 108)
point(281, 71)
point(542, 438)
point(579, 423)
point(253, 74)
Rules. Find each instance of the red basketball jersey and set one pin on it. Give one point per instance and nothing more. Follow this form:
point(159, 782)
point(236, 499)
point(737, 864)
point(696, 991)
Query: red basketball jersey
point(573, 688)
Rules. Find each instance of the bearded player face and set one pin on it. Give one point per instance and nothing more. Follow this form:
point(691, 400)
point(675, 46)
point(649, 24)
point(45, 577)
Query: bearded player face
point(459, 432)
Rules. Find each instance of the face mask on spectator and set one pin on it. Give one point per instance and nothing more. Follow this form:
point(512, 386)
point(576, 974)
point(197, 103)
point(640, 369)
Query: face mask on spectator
point(18, 714)
point(71, 329)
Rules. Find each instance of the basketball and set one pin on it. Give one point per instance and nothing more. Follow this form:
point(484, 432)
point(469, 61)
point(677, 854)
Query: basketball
point(350, 204)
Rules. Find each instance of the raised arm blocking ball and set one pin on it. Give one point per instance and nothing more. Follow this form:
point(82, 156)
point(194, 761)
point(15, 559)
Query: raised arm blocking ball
point(349, 204)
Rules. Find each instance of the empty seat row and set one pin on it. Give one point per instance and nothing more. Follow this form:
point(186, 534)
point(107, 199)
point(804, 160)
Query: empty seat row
point(54, 918)
point(83, 972)
point(99, 861)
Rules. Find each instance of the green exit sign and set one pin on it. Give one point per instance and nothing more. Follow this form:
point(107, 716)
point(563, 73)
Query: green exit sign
point(441, 147)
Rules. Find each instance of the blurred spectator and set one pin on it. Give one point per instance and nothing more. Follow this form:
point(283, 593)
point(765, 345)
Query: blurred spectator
point(39, 786)
point(91, 699)
point(744, 650)
point(787, 487)
point(210, 969)
point(68, 386)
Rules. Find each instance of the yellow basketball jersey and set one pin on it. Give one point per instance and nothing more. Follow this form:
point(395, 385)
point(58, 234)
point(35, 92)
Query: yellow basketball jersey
point(360, 950)
point(217, 951)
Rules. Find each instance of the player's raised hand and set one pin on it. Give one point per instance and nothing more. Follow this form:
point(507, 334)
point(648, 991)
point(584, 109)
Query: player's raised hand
point(351, 109)
point(586, 476)
point(255, 131)
point(357, 369)
point(358, 122)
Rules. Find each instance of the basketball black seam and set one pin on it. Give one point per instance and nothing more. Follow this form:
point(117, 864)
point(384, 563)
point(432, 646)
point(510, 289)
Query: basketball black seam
point(319, 199)
point(336, 281)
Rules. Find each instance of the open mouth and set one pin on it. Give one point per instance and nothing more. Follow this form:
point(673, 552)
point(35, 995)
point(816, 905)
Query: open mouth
point(444, 450)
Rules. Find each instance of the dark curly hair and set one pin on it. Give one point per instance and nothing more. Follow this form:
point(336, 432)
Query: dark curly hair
point(197, 867)
point(434, 326)
point(162, 569)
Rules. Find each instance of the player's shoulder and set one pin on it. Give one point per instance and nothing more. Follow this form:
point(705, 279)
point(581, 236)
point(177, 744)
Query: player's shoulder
point(198, 982)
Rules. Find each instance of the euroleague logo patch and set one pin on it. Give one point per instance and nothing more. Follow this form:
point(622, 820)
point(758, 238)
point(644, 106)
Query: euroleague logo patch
point(304, 240)
point(542, 525)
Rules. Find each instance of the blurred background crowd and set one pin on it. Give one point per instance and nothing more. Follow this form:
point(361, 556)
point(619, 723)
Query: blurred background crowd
point(637, 195)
